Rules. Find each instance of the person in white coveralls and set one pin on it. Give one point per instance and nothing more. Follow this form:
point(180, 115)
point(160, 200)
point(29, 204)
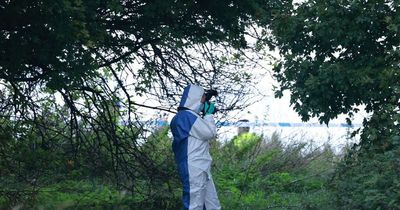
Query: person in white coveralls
point(191, 135)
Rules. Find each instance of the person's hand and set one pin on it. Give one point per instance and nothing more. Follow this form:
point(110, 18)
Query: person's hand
point(209, 108)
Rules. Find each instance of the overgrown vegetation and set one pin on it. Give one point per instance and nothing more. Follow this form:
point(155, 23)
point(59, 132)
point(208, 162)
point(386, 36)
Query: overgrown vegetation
point(250, 172)
point(253, 172)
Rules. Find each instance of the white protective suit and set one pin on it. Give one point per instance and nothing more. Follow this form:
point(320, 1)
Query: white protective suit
point(191, 148)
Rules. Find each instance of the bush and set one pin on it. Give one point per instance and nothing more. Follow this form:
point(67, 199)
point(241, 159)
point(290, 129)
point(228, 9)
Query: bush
point(252, 172)
point(368, 180)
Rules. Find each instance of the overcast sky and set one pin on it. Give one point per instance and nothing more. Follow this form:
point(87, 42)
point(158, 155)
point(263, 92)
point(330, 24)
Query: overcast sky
point(271, 109)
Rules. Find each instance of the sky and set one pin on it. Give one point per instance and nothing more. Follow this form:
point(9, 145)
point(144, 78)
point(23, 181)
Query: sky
point(271, 109)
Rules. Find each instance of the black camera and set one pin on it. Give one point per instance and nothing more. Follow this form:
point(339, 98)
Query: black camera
point(208, 96)
point(210, 93)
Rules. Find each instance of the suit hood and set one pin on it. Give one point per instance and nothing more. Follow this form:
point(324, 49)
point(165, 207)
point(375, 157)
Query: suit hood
point(191, 98)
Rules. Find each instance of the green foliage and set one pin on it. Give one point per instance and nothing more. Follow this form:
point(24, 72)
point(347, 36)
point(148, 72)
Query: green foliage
point(369, 181)
point(77, 194)
point(336, 56)
point(83, 33)
point(245, 170)
point(255, 173)
point(79, 185)
point(335, 50)
point(70, 71)
point(165, 193)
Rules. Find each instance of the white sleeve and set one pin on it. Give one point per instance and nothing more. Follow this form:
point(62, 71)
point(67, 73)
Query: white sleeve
point(204, 129)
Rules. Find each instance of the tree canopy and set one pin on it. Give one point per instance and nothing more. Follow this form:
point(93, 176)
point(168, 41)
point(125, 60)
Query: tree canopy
point(338, 55)
point(71, 72)
point(61, 43)
point(94, 52)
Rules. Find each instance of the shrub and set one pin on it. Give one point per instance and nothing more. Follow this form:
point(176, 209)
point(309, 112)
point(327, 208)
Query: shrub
point(252, 172)
point(367, 180)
